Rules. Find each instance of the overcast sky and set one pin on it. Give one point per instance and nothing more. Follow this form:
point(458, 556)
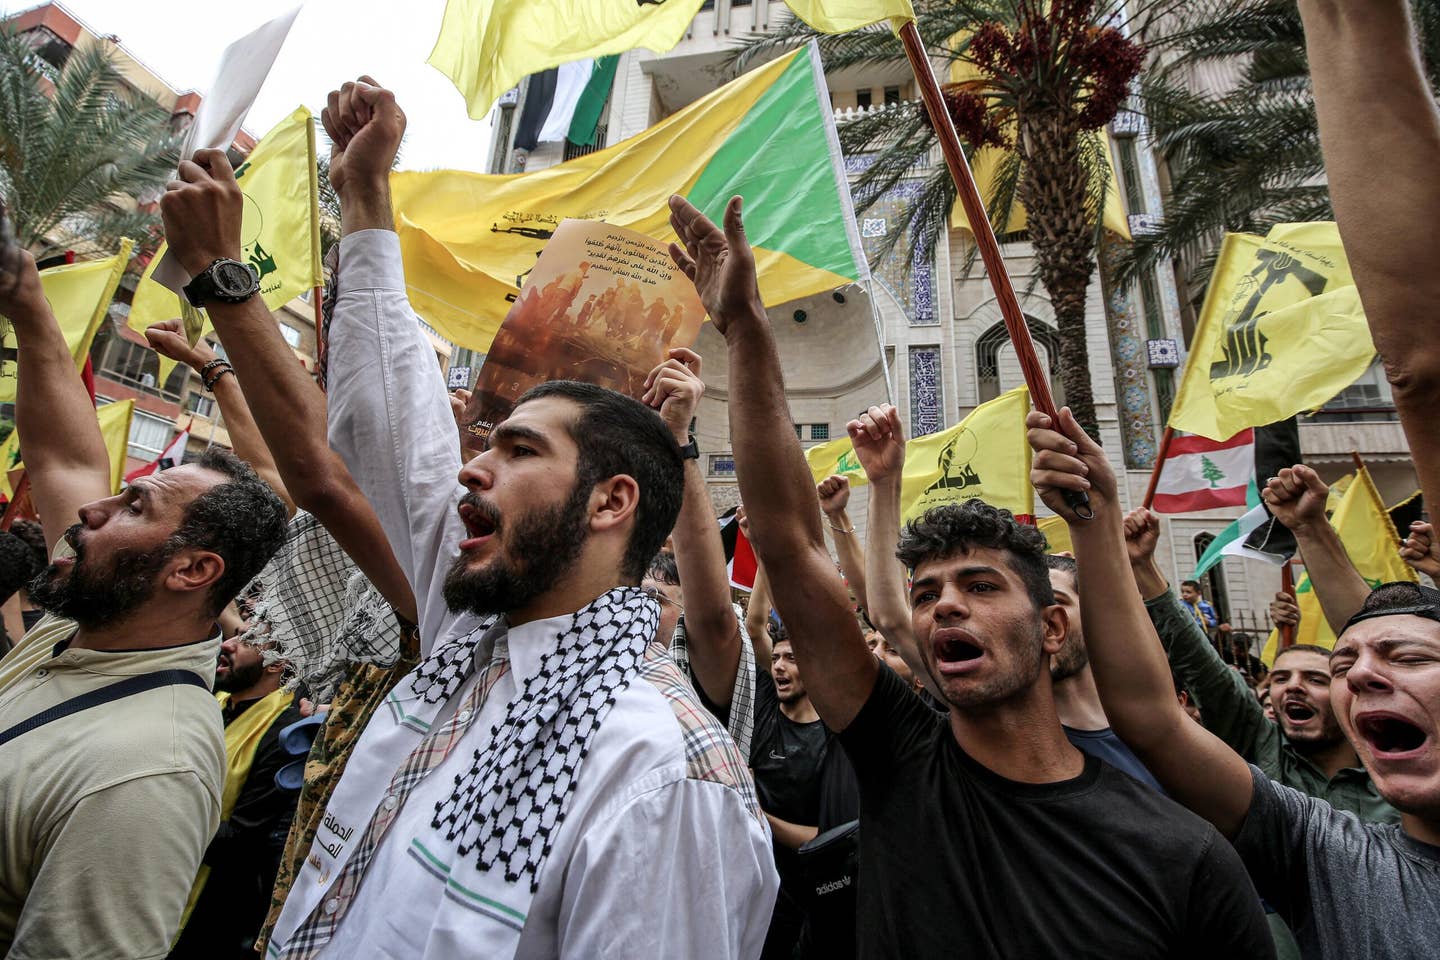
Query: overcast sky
point(332, 41)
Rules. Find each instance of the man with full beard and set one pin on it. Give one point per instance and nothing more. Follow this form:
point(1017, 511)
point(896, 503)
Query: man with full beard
point(1304, 747)
point(111, 759)
point(546, 783)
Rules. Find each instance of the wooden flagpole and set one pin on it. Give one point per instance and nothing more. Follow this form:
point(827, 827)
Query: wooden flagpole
point(969, 195)
point(1155, 471)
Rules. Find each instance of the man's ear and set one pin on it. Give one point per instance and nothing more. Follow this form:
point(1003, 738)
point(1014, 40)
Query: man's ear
point(614, 502)
point(1055, 623)
point(192, 569)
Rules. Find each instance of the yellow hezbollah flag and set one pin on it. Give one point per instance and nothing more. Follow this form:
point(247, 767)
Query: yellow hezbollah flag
point(1057, 534)
point(280, 235)
point(985, 456)
point(1282, 331)
point(114, 420)
point(469, 240)
point(486, 47)
point(79, 296)
point(1373, 546)
point(835, 457)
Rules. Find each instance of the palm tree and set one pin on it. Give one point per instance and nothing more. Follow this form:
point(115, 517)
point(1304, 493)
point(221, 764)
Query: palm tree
point(77, 147)
point(1248, 157)
point(1039, 79)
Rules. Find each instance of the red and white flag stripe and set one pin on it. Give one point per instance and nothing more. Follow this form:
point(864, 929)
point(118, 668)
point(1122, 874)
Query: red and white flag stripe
point(171, 456)
point(1201, 474)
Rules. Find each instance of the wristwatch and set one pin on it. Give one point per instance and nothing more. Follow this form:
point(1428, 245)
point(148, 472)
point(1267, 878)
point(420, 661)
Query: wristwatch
point(691, 450)
point(228, 281)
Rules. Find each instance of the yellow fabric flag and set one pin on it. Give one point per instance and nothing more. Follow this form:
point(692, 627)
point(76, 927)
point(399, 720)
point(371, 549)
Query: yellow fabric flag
point(114, 420)
point(1373, 546)
point(486, 47)
point(79, 295)
point(280, 235)
point(984, 456)
point(470, 240)
point(835, 457)
point(1282, 331)
point(1057, 534)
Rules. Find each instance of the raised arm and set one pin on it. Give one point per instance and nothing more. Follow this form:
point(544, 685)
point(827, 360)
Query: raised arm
point(64, 452)
point(712, 630)
point(168, 339)
point(1227, 707)
point(1193, 766)
point(1421, 549)
point(202, 223)
point(834, 494)
point(757, 618)
point(775, 482)
point(1297, 499)
point(1380, 132)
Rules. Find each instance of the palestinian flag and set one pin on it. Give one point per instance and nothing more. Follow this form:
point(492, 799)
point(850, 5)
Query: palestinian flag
point(739, 558)
point(565, 103)
point(469, 240)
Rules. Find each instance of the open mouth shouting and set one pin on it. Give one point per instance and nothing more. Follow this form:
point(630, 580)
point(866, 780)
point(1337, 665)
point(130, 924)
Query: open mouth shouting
point(481, 522)
point(1391, 736)
point(956, 652)
point(1298, 712)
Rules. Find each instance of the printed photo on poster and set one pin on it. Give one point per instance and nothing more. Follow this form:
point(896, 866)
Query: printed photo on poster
point(602, 305)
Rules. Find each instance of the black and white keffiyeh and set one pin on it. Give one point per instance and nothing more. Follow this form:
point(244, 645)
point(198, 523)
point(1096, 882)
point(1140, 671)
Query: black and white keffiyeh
point(508, 806)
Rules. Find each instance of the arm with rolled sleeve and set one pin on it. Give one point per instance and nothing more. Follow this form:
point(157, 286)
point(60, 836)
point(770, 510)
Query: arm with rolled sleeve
point(115, 874)
point(390, 418)
point(684, 870)
point(1227, 707)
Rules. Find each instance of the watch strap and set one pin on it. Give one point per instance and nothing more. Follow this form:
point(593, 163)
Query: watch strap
point(691, 450)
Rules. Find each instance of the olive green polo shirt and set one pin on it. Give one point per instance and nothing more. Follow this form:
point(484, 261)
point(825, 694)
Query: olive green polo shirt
point(1230, 711)
point(104, 814)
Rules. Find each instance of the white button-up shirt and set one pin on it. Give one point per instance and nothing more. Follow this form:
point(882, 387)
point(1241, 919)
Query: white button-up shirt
point(663, 851)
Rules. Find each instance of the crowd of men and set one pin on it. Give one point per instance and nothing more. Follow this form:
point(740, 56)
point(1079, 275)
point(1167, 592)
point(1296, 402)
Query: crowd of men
point(955, 743)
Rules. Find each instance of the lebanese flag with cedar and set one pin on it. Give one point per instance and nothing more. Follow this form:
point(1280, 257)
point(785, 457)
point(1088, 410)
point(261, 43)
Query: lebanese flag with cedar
point(171, 456)
point(1201, 474)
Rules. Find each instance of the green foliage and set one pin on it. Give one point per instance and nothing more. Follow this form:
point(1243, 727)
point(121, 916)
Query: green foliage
point(76, 146)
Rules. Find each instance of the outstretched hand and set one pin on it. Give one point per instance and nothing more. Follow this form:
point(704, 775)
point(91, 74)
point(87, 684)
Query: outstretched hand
point(719, 262)
point(878, 437)
point(1067, 458)
point(365, 126)
point(674, 389)
point(169, 340)
point(1296, 497)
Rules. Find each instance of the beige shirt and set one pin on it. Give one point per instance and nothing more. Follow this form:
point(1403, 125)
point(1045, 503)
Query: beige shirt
point(104, 814)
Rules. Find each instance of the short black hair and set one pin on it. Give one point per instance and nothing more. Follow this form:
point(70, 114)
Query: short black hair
point(17, 564)
point(953, 528)
point(663, 568)
point(1054, 561)
point(617, 435)
point(1191, 583)
point(240, 519)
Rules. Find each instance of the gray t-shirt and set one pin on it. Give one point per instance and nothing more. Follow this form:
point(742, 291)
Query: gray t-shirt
point(1348, 889)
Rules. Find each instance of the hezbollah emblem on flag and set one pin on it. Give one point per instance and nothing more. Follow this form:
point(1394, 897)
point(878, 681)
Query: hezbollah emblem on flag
point(956, 473)
point(1244, 349)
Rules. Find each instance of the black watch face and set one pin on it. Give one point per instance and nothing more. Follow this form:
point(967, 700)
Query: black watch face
point(233, 279)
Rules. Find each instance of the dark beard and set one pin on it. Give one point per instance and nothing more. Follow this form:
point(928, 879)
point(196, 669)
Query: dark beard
point(1072, 658)
point(548, 541)
point(241, 678)
point(94, 599)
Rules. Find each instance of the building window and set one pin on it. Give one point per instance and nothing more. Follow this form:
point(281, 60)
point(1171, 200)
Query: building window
point(812, 431)
point(1368, 398)
point(862, 99)
point(926, 406)
point(133, 365)
point(892, 95)
point(291, 335)
point(149, 435)
point(722, 465)
point(201, 405)
point(987, 358)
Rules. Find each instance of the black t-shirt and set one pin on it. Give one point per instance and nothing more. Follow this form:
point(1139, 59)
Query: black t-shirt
point(786, 757)
point(956, 861)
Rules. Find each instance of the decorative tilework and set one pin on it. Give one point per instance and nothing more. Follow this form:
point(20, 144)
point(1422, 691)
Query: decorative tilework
point(1132, 374)
point(926, 407)
point(910, 279)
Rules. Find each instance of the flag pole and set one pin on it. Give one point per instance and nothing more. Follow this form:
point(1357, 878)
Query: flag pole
point(317, 297)
point(984, 234)
point(1156, 470)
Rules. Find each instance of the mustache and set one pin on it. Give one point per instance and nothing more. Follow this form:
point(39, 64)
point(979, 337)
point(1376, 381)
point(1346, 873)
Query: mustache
point(484, 508)
point(72, 537)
